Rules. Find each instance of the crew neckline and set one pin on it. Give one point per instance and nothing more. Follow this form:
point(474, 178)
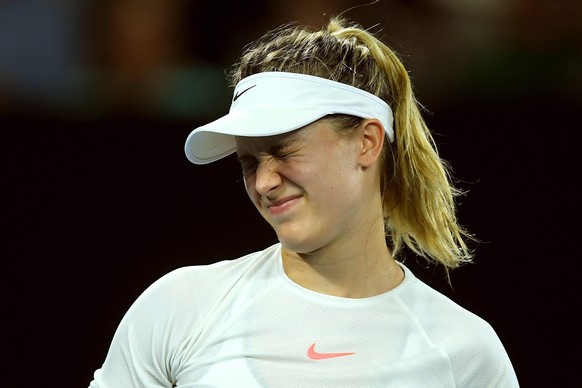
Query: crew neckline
point(310, 294)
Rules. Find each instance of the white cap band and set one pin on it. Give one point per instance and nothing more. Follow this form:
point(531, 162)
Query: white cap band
point(272, 103)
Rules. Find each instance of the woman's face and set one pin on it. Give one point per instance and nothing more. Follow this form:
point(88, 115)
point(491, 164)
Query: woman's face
point(307, 184)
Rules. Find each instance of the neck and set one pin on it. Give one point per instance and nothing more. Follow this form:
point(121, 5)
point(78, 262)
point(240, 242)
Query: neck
point(350, 269)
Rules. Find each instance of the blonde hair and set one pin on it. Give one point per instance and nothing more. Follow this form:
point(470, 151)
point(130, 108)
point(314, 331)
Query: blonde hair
point(418, 195)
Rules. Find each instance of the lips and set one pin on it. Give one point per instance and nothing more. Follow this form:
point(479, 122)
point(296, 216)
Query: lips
point(282, 205)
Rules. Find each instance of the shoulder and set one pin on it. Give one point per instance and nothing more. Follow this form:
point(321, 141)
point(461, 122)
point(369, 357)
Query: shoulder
point(435, 312)
point(182, 298)
point(475, 352)
point(198, 284)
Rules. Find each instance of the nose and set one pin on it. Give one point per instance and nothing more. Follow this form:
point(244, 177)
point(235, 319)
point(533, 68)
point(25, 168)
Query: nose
point(267, 177)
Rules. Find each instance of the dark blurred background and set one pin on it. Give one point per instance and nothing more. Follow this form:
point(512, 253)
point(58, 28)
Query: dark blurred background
point(98, 199)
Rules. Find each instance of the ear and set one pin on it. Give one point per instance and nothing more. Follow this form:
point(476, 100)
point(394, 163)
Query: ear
point(372, 138)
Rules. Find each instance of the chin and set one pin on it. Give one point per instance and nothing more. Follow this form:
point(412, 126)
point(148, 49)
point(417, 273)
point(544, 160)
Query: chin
point(298, 245)
point(300, 237)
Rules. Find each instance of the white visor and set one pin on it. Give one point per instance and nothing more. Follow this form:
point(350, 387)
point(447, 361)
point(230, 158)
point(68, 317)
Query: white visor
point(272, 103)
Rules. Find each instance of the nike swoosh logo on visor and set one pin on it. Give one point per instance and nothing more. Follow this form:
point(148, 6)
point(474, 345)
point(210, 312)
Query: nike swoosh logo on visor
point(238, 94)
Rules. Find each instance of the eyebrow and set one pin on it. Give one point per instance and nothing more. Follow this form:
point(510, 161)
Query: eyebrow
point(277, 147)
point(282, 145)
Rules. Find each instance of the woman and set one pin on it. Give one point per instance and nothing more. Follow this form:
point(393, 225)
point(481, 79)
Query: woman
point(336, 157)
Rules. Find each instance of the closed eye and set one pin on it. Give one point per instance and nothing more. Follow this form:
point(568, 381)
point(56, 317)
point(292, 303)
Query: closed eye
point(248, 164)
point(282, 152)
point(283, 155)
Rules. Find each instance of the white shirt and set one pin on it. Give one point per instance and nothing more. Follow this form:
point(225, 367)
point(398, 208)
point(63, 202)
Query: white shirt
point(244, 323)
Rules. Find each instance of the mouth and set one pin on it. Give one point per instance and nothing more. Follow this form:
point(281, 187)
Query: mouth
point(283, 205)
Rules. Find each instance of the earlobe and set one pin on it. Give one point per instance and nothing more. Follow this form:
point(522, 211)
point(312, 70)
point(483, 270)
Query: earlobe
point(372, 141)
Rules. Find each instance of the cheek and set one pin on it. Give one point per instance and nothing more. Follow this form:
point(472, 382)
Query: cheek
point(342, 181)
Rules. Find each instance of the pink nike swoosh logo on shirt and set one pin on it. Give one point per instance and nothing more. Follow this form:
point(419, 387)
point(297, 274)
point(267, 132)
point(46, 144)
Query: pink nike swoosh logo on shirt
point(314, 355)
